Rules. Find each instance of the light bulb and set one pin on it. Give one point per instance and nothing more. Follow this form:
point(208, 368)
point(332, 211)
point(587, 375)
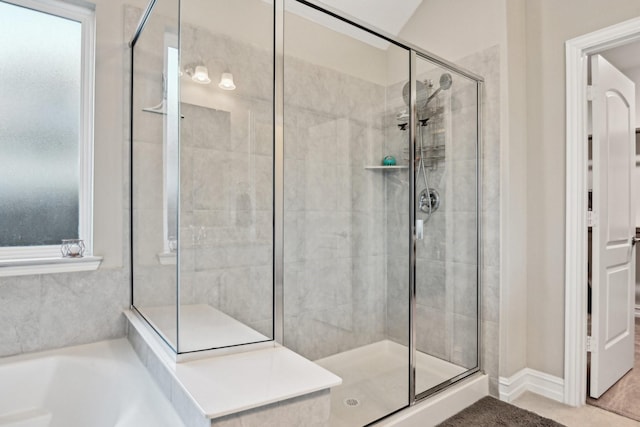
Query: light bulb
point(201, 75)
point(226, 82)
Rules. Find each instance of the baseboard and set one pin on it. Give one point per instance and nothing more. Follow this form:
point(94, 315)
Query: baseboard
point(534, 381)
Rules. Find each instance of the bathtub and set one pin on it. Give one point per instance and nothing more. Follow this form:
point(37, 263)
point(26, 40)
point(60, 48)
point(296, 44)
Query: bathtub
point(95, 385)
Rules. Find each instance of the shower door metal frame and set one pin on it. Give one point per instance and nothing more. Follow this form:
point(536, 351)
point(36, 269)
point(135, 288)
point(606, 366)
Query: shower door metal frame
point(415, 54)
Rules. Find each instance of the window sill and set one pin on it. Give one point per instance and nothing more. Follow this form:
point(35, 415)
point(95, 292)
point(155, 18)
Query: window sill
point(23, 267)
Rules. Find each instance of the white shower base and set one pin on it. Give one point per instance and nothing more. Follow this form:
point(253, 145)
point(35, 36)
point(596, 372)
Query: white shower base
point(377, 376)
point(202, 327)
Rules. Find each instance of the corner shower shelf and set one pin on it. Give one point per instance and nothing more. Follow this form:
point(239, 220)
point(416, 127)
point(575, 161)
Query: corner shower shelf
point(379, 167)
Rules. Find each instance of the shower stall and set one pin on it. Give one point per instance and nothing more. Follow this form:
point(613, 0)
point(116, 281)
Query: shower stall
point(299, 178)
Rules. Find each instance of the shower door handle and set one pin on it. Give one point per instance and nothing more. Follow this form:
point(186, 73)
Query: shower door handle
point(419, 229)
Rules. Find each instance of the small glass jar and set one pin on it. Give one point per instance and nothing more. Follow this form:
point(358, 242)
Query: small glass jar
point(72, 248)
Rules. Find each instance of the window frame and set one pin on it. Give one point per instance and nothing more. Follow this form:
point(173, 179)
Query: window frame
point(85, 16)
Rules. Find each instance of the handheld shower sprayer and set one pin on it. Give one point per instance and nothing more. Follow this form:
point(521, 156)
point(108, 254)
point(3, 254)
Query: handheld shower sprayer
point(422, 100)
point(445, 83)
point(429, 198)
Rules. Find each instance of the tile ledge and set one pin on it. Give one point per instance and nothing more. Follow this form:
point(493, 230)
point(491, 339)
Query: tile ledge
point(234, 383)
point(24, 267)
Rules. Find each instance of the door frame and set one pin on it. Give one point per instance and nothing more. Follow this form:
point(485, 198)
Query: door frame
point(575, 296)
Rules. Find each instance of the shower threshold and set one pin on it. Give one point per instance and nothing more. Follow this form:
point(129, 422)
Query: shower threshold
point(375, 382)
point(202, 327)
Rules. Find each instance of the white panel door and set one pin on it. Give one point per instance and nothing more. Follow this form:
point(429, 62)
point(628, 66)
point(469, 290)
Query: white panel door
point(613, 268)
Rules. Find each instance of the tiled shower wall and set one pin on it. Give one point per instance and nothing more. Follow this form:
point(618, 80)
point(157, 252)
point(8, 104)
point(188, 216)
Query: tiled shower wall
point(227, 181)
point(334, 208)
point(334, 211)
point(226, 164)
point(487, 64)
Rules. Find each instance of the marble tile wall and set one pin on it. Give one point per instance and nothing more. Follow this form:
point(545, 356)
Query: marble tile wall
point(311, 410)
point(42, 312)
point(487, 64)
point(334, 211)
point(227, 182)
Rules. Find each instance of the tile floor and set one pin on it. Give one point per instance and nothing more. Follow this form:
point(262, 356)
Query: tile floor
point(586, 416)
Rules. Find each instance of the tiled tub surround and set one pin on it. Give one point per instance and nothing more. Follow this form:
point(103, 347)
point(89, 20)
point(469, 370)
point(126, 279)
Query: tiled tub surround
point(58, 310)
point(100, 385)
point(271, 386)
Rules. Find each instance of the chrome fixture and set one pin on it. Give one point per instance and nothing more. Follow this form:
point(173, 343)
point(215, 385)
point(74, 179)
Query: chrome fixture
point(429, 200)
point(445, 83)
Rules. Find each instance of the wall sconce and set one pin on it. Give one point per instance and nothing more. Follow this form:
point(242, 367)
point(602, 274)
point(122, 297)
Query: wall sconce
point(199, 75)
point(226, 81)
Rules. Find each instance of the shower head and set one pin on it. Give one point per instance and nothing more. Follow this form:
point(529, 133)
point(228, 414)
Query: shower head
point(445, 84)
point(421, 91)
point(446, 81)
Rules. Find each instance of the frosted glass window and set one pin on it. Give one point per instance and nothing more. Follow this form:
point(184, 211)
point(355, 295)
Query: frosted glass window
point(40, 129)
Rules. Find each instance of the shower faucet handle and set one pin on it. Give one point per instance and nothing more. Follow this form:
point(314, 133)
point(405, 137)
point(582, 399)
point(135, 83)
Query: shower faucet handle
point(419, 229)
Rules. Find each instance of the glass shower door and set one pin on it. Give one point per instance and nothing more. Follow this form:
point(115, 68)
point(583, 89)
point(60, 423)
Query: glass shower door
point(346, 218)
point(446, 216)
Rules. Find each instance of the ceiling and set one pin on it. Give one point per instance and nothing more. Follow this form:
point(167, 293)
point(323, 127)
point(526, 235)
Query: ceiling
point(389, 16)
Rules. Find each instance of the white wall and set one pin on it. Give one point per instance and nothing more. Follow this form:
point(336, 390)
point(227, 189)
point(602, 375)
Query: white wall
point(549, 24)
point(111, 131)
point(513, 354)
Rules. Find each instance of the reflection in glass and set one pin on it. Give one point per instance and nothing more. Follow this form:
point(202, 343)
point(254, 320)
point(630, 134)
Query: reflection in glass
point(203, 174)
